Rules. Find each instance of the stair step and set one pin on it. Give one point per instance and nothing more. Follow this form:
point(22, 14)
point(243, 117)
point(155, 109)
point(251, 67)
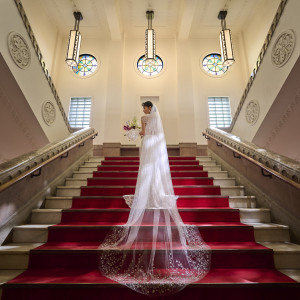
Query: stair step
point(58, 202)
point(85, 175)
point(205, 168)
point(234, 202)
point(15, 256)
point(46, 216)
point(6, 275)
point(68, 191)
point(83, 182)
point(53, 216)
point(221, 258)
point(75, 190)
point(31, 233)
point(270, 232)
point(242, 201)
point(218, 174)
point(232, 191)
point(203, 158)
point(261, 215)
point(136, 163)
point(96, 158)
point(286, 255)
point(211, 167)
point(213, 280)
point(293, 273)
point(224, 181)
point(38, 233)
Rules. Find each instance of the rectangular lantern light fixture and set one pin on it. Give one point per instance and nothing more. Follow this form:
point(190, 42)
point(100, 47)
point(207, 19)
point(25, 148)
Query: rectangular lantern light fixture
point(73, 48)
point(150, 44)
point(150, 37)
point(74, 42)
point(226, 47)
point(225, 42)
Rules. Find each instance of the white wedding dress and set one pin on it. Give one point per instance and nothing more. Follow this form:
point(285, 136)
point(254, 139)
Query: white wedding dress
point(154, 253)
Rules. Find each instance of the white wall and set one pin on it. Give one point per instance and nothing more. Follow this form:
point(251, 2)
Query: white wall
point(256, 31)
point(183, 87)
point(164, 86)
point(270, 78)
point(231, 84)
point(31, 81)
point(44, 29)
point(71, 85)
point(279, 130)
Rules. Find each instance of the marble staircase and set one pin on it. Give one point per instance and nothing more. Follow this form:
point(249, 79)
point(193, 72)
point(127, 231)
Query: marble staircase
point(14, 256)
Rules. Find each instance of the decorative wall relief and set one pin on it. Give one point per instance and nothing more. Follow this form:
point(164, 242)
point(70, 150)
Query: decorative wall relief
point(283, 48)
point(41, 60)
point(19, 50)
point(48, 112)
point(252, 112)
point(258, 63)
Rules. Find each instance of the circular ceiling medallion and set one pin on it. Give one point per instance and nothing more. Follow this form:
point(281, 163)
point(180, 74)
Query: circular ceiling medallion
point(48, 112)
point(252, 112)
point(19, 50)
point(283, 48)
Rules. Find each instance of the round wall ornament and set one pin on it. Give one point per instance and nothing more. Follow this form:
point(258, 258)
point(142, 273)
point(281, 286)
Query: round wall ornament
point(283, 48)
point(19, 50)
point(252, 112)
point(48, 112)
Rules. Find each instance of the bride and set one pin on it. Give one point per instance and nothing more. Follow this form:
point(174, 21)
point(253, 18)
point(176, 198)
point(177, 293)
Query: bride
point(154, 253)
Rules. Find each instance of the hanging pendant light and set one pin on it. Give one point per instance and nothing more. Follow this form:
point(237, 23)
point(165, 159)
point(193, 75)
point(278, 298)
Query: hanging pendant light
point(74, 42)
point(150, 38)
point(225, 41)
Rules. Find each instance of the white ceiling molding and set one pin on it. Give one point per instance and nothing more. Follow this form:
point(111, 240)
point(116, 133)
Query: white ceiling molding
point(189, 7)
point(113, 19)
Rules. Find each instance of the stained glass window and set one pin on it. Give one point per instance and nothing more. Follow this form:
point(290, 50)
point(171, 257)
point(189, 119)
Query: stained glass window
point(87, 65)
point(212, 64)
point(150, 67)
point(219, 112)
point(80, 112)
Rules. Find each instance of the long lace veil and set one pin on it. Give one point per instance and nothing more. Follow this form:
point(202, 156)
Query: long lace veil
point(154, 253)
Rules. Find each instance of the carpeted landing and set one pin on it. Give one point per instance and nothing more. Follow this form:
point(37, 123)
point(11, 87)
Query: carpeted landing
point(66, 266)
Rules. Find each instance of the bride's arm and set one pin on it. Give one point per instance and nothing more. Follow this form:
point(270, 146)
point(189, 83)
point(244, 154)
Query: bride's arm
point(143, 122)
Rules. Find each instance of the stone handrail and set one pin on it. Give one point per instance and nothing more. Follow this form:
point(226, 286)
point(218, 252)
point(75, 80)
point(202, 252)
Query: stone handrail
point(259, 61)
point(22, 164)
point(282, 165)
point(42, 61)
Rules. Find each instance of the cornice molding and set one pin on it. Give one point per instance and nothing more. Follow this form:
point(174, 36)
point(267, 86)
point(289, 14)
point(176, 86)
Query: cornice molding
point(42, 61)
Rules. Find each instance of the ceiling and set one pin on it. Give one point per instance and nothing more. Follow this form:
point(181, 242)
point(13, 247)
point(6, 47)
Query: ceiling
point(182, 18)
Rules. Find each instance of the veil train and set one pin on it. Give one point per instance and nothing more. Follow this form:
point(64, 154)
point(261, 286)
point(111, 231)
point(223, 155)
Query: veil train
point(154, 253)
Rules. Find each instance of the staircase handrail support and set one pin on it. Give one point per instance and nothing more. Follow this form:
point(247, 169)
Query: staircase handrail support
point(278, 165)
point(16, 169)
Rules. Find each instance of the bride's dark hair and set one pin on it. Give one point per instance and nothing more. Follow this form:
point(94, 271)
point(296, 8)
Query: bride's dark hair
point(147, 103)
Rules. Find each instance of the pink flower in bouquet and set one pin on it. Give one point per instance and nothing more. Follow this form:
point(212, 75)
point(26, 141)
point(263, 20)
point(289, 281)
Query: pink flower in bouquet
point(131, 124)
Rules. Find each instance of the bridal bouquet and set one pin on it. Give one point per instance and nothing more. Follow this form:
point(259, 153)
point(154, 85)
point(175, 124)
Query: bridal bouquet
point(132, 129)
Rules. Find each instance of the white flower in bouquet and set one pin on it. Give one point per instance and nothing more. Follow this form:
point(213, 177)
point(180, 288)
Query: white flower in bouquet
point(132, 129)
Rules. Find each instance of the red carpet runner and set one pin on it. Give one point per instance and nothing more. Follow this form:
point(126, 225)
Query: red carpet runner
point(66, 266)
